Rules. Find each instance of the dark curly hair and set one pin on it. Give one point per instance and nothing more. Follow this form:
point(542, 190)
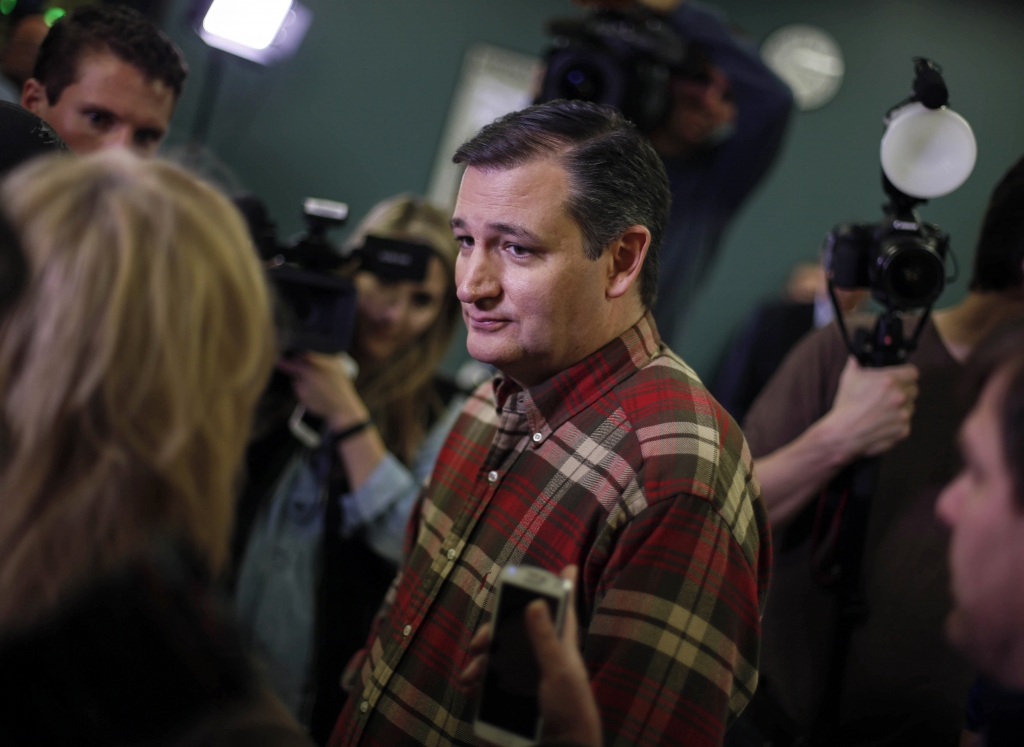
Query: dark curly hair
point(124, 32)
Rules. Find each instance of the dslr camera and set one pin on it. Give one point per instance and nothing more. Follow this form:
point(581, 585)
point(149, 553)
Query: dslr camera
point(902, 259)
point(625, 59)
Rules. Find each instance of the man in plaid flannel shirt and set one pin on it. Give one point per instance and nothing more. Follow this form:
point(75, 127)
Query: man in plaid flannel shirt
point(595, 446)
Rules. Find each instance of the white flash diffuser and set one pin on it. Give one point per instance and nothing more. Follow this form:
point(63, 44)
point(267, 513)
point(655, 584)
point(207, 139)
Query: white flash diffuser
point(926, 152)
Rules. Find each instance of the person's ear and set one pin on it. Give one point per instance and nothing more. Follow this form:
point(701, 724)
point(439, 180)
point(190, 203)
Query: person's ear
point(627, 256)
point(33, 96)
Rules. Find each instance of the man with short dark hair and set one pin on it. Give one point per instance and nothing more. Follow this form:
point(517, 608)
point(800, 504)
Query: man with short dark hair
point(106, 77)
point(595, 446)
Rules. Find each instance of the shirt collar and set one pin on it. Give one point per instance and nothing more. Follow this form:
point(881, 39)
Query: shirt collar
point(553, 402)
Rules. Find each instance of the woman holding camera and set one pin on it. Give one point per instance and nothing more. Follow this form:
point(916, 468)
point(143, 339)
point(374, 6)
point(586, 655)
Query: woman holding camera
point(323, 528)
point(133, 349)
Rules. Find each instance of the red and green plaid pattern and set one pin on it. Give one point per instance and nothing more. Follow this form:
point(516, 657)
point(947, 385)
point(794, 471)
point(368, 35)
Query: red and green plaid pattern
point(624, 465)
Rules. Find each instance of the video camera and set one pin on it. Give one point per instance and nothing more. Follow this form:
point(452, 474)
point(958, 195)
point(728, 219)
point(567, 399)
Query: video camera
point(316, 306)
point(902, 259)
point(625, 59)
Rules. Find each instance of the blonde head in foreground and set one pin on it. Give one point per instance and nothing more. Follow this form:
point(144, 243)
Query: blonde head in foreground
point(129, 369)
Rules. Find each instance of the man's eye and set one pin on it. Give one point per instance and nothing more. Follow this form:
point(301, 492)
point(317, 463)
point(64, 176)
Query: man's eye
point(466, 241)
point(518, 251)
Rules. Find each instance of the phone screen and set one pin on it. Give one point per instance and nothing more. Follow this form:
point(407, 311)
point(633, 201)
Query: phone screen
point(509, 696)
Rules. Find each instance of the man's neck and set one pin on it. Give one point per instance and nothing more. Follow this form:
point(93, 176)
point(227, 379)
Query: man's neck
point(963, 326)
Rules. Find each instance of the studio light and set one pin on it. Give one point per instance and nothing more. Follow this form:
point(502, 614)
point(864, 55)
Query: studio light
point(263, 31)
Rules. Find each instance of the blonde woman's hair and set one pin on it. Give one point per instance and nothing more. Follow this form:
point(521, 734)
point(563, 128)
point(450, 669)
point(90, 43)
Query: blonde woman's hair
point(399, 393)
point(129, 369)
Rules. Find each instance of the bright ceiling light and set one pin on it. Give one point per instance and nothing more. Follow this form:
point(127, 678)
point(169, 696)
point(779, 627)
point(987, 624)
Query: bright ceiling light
point(248, 23)
point(264, 31)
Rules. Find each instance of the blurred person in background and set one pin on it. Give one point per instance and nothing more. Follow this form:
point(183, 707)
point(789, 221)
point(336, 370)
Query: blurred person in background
point(106, 77)
point(130, 361)
point(984, 509)
point(718, 141)
point(823, 411)
point(25, 34)
point(321, 530)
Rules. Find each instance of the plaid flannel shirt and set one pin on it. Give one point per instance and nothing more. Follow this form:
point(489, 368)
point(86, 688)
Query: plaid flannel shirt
point(624, 465)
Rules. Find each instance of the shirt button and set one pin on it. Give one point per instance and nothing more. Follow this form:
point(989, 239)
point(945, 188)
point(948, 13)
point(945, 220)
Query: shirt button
point(538, 437)
point(407, 630)
point(452, 554)
point(364, 706)
point(492, 476)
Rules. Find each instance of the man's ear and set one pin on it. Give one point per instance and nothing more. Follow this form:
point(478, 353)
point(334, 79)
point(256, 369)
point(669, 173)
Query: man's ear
point(627, 256)
point(33, 96)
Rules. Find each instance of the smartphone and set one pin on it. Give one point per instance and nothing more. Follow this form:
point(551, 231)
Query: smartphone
point(508, 710)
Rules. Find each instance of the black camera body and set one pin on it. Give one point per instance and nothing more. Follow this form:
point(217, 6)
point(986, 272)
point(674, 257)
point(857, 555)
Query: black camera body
point(315, 306)
point(901, 260)
point(622, 59)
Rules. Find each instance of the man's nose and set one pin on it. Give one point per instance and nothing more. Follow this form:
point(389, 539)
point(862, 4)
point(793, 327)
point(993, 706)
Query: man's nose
point(395, 305)
point(476, 276)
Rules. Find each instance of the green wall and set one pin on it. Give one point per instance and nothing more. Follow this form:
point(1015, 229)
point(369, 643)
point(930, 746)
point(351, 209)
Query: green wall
point(357, 114)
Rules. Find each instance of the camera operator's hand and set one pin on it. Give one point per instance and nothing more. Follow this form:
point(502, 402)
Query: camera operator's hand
point(871, 412)
point(322, 384)
point(873, 408)
point(567, 703)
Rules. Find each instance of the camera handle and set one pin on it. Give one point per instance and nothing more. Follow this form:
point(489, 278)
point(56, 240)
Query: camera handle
point(886, 345)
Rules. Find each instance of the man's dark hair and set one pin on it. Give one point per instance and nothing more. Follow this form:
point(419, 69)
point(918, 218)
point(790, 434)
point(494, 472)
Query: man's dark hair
point(616, 180)
point(1000, 250)
point(121, 31)
point(1004, 351)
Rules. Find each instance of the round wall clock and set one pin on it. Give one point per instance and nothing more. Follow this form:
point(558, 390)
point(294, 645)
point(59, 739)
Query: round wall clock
point(808, 60)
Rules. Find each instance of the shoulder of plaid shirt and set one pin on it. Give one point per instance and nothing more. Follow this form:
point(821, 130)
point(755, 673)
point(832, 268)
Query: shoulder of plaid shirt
point(626, 466)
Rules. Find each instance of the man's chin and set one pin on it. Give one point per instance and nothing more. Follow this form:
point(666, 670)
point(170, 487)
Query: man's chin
point(487, 351)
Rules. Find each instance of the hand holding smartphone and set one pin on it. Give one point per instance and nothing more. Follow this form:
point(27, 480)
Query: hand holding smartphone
point(508, 708)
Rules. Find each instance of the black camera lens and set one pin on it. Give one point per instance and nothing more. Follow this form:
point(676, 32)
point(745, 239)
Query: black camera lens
point(912, 274)
point(583, 74)
point(583, 82)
